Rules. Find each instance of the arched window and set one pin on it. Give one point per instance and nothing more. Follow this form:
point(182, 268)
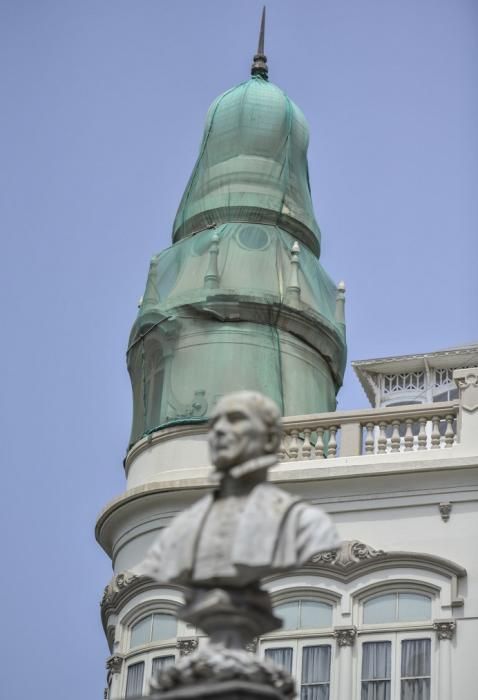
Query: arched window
point(153, 628)
point(304, 614)
point(397, 607)
point(396, 662)
point(159, 631)
point(304, 646)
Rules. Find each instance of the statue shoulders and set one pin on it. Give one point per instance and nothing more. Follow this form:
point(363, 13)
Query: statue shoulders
point(274, 496)
point(191, 516)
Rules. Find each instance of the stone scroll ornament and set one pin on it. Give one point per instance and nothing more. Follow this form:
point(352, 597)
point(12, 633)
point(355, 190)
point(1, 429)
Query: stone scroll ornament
point(222, 546)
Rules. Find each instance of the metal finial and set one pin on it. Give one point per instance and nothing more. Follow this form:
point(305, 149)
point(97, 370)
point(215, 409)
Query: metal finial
point(259, 65)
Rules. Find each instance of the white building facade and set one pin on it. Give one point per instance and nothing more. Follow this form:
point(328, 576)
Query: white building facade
point(395, 611)
point(393, 614)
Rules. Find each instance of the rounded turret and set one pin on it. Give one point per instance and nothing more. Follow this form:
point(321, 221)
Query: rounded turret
point(240, 300)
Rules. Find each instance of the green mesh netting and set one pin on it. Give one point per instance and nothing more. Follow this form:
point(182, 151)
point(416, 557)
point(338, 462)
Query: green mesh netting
point(252, 165)
point(229, 306)
point(219, 315)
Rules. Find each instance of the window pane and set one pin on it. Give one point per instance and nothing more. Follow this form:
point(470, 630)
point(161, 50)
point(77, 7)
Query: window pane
point(162, 662)
point(376, 660)
point(413, 606)
point(315, 614)
point(418, 689)
point(376, 669)
point(134, 680)
point(415, 669)
point(316, 664)
point(416, 658)
point(289, 614)
point(281, 657)
point(141, 632)
point(382, 608)
point(164, 627)
point(375, 690)
point(314, 692)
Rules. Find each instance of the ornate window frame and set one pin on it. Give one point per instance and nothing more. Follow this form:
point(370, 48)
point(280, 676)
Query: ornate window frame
point(354, 573)
point(283, 590)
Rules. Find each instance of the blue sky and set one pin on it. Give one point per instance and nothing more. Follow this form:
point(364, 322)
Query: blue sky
point(103, 103)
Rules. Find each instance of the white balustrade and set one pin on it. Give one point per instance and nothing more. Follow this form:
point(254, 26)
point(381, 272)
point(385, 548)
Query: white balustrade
point(371, 431)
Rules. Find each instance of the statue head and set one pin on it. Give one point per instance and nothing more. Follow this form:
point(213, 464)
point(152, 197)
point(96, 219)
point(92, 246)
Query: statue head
point(243, 426)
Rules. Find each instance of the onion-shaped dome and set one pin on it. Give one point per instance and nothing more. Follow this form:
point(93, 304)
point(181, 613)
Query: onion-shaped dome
point(252, 166)
point(236, 303)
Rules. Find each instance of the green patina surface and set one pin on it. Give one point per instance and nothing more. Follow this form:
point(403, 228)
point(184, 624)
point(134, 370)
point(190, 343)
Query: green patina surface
point(252, 165)
point(199, 336)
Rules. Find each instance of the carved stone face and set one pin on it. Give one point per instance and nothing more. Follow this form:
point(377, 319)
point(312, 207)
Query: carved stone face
point(237, 432)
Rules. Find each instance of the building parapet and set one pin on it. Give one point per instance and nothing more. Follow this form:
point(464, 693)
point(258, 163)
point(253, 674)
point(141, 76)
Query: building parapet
point(370, 431)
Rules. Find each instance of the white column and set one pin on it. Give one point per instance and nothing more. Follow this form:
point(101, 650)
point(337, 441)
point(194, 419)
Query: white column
point(345, 637)
point(445, 630)
point(114, 665)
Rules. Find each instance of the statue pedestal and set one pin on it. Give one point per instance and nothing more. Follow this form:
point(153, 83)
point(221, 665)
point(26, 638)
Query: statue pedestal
point(217, 690)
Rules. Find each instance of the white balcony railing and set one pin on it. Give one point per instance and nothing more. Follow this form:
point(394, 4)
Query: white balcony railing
point(370, 431)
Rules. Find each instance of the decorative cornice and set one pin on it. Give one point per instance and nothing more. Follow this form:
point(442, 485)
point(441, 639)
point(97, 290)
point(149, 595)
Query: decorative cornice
point(345, 636)
point(445, 629)
point(114, 663)
point(116, 586)
point(349, 554)
point(354, 558)
point(187, 646)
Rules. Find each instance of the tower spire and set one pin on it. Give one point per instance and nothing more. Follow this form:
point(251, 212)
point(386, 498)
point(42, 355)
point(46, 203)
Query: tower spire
point(259, 65)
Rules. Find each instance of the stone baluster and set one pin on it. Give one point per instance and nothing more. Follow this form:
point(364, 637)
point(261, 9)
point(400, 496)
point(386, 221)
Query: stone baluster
point(369, 439)
point(435, 432)
point(294, 444)
point(307, 446)
point(395, 439)
point(281, 452)
point(449, 432)
point(319, 445)
point(211, 278)
point(332, 444)
point(382, 438)
point(422, 434)
point(408, 438)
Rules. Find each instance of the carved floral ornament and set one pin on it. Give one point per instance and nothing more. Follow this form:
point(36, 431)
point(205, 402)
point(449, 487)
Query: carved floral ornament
point(345, 636)
point(114, 663)
point(116, 586)
point(186, 646)
point(445, 629)
point(348, 555)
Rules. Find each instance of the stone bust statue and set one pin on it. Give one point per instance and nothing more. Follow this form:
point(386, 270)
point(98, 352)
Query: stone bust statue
point(246, 529)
